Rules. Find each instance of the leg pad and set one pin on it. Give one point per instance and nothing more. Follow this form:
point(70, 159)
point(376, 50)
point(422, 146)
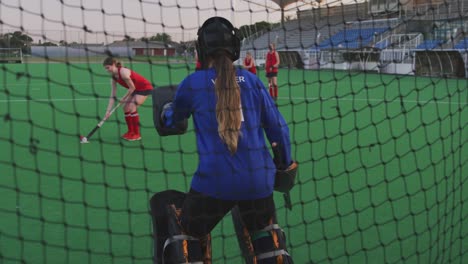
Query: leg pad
point(171, 244)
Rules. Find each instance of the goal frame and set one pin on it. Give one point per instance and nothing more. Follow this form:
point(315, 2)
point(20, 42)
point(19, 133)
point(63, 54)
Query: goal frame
point(7, 55)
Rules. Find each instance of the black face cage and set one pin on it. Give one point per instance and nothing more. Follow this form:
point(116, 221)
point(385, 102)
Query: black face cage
point(217, 33)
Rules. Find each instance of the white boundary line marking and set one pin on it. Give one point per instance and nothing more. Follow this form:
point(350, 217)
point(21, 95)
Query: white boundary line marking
point(45, 84)
point(37, 87)
point(432, 101)
point(50, 100)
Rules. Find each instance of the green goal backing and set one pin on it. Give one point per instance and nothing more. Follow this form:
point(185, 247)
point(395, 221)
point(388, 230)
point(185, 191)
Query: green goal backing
point(383, 158)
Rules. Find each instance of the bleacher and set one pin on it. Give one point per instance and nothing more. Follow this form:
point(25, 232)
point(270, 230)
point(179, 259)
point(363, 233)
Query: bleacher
point(302, 35)
point(310, 28)
point(462, 45)
point(352, 38)
point(430, 44)
point(436, 10)
point(296, 34)
point(321, 36)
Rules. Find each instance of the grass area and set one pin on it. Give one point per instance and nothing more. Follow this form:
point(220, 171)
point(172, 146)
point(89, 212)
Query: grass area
point(382, 178)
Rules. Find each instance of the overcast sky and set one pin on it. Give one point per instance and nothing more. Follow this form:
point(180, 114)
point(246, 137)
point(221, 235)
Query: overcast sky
point(137, 18)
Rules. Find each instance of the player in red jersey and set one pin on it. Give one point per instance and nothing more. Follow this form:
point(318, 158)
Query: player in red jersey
point(138, 90)
point(198, 65)
point(271, 67)
point(249, 63)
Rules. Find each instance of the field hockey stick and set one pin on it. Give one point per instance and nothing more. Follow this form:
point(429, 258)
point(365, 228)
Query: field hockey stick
point(85, 139)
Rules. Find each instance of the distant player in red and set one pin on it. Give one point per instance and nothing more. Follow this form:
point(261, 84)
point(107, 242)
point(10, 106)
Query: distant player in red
point(138, 90)
point(197, 62)
point(271, 67)
point(249, 63)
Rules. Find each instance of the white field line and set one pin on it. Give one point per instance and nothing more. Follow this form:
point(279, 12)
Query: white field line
point(50, 100)
point(84, 83)
point(349, 99)
point(432, 101)
point(37, 87)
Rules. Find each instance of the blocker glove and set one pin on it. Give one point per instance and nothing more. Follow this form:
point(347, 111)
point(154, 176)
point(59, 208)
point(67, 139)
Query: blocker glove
point(285, 176)
point(163, 112)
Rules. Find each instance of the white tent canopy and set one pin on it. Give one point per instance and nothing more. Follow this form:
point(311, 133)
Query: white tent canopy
point(283, 3)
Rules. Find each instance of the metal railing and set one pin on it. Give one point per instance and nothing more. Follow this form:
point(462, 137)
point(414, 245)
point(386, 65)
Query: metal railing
point(402, 41)
point(441, 10)
point(396, 56)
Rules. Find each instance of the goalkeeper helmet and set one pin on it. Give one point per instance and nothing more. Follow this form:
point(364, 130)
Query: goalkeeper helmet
point(217, 33)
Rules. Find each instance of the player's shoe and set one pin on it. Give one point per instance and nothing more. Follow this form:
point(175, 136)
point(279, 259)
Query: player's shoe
point(127, 135)
point(134, 137)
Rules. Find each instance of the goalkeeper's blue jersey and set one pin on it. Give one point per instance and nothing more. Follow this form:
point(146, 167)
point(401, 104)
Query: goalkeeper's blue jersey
point(249, 172)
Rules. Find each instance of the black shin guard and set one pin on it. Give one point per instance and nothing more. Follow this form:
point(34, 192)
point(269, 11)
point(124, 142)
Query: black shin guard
point(171, 245)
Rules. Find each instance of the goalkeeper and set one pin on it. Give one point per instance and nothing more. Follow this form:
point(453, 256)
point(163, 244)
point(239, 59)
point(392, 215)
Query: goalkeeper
point(231, 110)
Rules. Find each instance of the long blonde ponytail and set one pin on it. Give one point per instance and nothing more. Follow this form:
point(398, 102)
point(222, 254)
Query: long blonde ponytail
point(228, 106)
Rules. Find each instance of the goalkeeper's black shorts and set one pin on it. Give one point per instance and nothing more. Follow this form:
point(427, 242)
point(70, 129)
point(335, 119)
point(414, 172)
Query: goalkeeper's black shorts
point(201, 213)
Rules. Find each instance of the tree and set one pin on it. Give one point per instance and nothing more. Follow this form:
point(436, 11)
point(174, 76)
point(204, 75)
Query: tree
point(16, 40)
point(128, 38)
point(187, 46)
point(164, 37)
point(49, 44)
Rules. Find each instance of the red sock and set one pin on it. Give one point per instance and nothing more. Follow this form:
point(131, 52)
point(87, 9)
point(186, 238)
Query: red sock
point(271, 91)
point(275, 90)
point(136, 123)
point(128, 120)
